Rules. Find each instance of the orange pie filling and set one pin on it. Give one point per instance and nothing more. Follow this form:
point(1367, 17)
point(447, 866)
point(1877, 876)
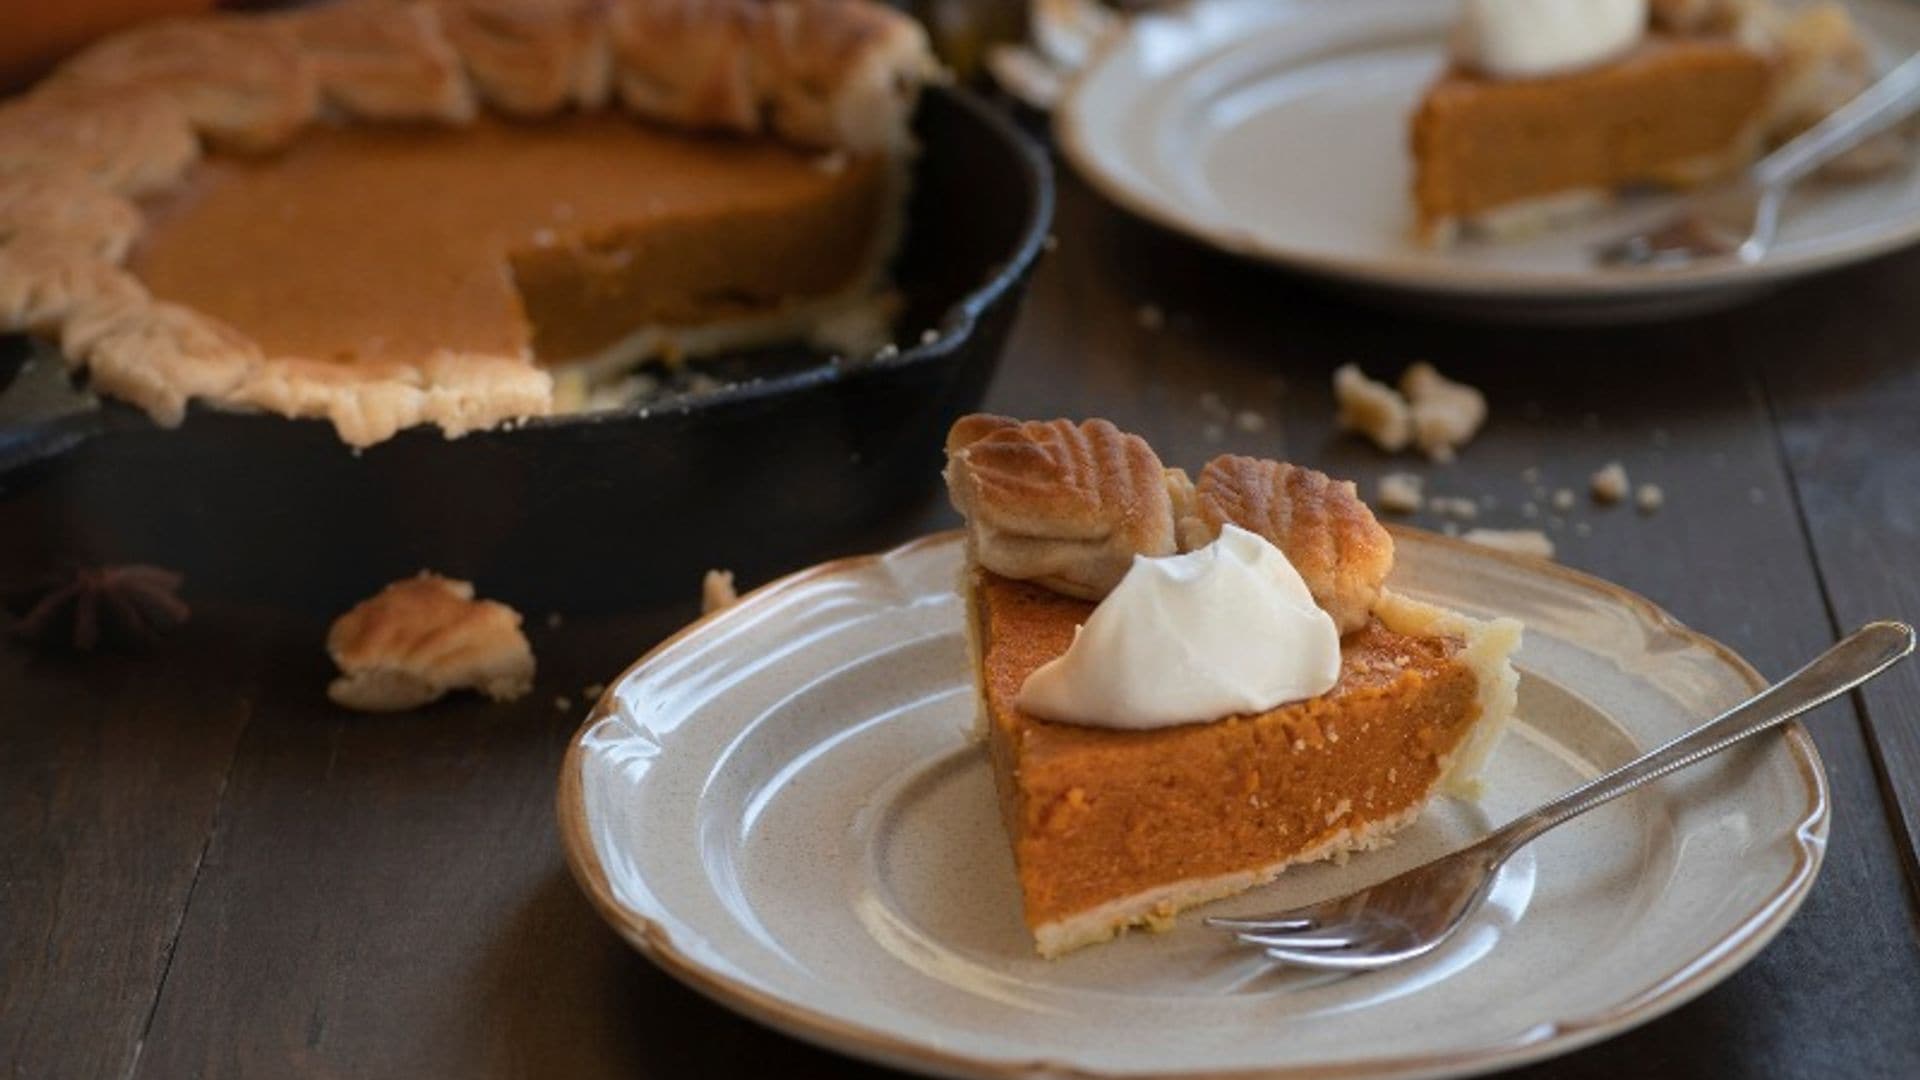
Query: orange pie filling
point(1112, 828)
point(587, 242)
point(1678, 111)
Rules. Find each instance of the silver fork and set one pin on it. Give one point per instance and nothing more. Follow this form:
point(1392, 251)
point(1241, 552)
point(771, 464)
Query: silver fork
point(1741, 219)
point(1411, 914)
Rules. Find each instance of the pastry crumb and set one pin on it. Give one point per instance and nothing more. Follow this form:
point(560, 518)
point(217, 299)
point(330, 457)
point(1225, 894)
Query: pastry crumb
point(421, 637)
point(1372, 409)
point(1515, 541)
point(717, 591)
point(1610, 483)
point(593, 690)
point(1150, 317)
point(1563, 499)
point(1213, 433)
point(1249, 421)
point(563, 703)
point(554, 620)
point(1649, 498)
point(1454, 506)
point(1446, 414)
point(1400, 493)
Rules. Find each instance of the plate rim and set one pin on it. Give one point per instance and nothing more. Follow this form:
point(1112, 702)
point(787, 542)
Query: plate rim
point(1465, 281)
point(1692, 978)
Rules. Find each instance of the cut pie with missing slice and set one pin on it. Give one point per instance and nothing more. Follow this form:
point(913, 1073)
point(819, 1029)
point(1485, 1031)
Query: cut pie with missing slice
point(1115, 828)
point(387, 213)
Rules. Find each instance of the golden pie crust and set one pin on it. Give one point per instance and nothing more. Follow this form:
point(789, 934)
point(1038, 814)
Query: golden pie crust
point(126, 118)
point(1117, 828)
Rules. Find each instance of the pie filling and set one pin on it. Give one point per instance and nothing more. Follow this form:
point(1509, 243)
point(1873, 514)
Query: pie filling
point(1111, 828)
point(1678, 111)
point(592, 240)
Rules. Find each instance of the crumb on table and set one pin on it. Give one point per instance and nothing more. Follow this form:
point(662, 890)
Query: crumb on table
point(717, 591)
point(1372, 409)
point(1400, 492)
point(1517, 541)
point(1610, 483)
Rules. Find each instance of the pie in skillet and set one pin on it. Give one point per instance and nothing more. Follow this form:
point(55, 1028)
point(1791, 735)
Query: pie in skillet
point(1709, 86)
point(456, 212)
point(1115, 828)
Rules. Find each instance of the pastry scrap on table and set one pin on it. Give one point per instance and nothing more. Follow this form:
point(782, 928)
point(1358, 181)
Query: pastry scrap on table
point(1186, 684)
point(1429, 411)
point(717, 591)
point(422, 637)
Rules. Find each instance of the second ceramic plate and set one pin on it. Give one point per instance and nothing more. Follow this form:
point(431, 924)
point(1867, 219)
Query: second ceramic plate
point(1277, 129)
point(782, 807)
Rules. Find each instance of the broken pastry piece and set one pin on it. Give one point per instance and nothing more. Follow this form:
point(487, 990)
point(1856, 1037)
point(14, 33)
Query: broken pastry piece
point(1319, 523)
point(717, 591)
point(1371, 408)
point(1133, 810)
point(1429, 411)
point(1446, 414)
point(1063, 504)
point(1514, 541)
point(421, 637)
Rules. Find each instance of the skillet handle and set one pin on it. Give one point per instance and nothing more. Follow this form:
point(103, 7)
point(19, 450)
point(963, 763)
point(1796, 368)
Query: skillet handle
point(42, 413)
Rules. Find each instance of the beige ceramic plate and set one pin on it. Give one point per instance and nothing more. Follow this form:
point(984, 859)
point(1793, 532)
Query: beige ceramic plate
point(781, 807)
point(1277, 129)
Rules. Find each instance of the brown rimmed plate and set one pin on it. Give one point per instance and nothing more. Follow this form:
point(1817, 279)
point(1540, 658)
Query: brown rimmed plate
point(1277, 130)
point(781, 807)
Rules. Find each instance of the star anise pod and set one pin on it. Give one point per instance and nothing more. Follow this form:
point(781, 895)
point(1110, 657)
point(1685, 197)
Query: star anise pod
point(126, 604)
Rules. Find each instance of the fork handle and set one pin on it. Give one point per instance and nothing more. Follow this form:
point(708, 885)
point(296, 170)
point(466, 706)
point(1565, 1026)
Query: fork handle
point(1858, 657)
point(1875, 109)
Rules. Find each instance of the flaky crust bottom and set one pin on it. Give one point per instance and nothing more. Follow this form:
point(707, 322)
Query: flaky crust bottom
point(1155, 908)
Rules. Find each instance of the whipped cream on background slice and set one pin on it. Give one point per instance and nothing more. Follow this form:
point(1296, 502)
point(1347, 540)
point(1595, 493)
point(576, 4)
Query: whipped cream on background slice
point(1527, 38)
point(1230, 628)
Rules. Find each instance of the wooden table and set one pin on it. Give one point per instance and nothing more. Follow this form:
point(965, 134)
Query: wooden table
point(205, 869)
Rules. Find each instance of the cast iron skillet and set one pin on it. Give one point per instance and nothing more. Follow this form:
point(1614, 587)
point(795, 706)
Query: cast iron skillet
point(573, 513)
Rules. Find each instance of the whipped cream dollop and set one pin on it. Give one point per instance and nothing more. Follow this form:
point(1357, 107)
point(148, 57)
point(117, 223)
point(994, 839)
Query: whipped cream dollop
point(1230, 628)
point(1530, 38)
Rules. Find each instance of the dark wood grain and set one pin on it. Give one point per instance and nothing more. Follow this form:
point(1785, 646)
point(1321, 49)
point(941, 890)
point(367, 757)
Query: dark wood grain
point(1850, 426)
point(111, 771)
point(384, 896)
